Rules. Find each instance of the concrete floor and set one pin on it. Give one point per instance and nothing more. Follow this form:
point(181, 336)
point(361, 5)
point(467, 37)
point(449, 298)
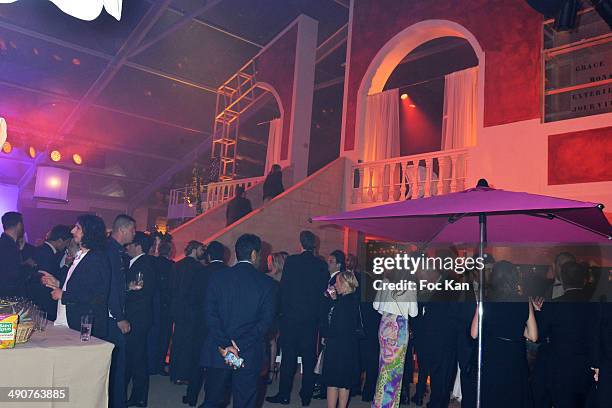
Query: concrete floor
point(164, 394)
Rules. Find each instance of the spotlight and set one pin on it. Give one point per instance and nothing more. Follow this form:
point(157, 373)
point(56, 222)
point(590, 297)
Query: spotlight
point(77, 159)
point(412, 105)
point(55, 155)
point(7, 147)
point(32, 152)
point(404, 97)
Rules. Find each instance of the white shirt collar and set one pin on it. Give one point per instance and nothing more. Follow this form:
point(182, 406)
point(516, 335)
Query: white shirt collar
point(249, 262)
point(134, 259)
point(215, 260)
point(51, 246)
point(334, 274)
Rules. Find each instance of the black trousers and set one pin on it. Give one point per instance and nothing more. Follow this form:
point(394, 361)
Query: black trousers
point(370, 350)
point(165, 334)
point(442, 368)
point(117, 391)
point(195, 384)
point(137, 362)
point(243, 386)
point(297, 341)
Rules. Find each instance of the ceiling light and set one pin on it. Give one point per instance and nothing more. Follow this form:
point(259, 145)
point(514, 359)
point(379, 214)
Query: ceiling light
point(404, 96)
point(7, 147)
point(412, 105)
point(55, 156)
point(77, 159)
point(32, 152)
point(3, 131)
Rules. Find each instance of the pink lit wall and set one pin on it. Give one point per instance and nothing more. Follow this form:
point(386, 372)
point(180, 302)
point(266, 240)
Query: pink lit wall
point(8, 198)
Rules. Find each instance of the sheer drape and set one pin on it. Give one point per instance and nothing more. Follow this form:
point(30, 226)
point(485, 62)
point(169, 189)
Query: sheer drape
point(274, 144)
point(460, 118)
point(460, 105)
point(86, 9)
point(382, 128)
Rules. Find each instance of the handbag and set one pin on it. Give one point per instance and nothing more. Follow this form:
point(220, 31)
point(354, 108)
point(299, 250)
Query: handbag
point(319, 367)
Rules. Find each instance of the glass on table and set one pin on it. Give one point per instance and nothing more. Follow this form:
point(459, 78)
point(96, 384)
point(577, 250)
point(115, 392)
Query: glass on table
point(86, 324)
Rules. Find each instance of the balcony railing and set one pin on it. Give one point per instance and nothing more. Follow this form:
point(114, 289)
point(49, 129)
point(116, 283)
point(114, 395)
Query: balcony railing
point(409, 177)
point(182, 203)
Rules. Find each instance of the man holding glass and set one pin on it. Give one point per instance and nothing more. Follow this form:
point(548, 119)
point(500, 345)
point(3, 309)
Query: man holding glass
point(138, 309)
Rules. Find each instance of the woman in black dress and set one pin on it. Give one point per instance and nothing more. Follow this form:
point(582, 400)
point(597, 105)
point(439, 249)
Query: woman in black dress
point(508, 320)
point(340, 360)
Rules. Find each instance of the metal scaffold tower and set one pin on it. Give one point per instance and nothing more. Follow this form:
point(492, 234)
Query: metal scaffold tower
point(234, 97)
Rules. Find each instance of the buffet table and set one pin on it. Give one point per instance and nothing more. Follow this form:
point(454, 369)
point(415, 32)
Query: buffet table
point(57, 358)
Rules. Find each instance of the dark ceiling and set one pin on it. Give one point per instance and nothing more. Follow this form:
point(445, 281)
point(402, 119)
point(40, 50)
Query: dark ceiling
point(64, 83)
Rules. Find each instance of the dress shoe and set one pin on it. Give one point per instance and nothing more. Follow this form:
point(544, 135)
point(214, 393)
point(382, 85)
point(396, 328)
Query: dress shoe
point(188, 402)
point(305, 402)
point(136, 403)
point(278, 399)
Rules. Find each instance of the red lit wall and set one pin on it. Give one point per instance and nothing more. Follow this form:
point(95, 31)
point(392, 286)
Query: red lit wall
point(580, 157)
point(510, 34)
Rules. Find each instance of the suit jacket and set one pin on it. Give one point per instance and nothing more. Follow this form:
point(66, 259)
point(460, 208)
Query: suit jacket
point(302, 285)
point(47, 261)
point(165, 276)
point(11, 276)
point(273, 185)
point(87, 293)
point(569, 323)
point(139, 303)
point(183, 293)
point(602, 341)
point(237, 208)
point(197, 296)
point(118, 288)
point(240, 305)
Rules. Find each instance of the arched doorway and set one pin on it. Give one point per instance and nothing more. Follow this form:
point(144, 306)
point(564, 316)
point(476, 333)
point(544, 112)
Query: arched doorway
point(391, 55)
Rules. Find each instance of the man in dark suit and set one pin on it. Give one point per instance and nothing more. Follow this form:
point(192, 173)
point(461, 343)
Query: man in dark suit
point(602, 349)
point(11, 274)
point(124, 229)
point(186, 272)
point(165, 267)
point(142, 279)
point(436, 343)
point(302, 285)
point(568, 326)
point(238, 206)
point(239, 312)
point(214, 257)
point(48, 257)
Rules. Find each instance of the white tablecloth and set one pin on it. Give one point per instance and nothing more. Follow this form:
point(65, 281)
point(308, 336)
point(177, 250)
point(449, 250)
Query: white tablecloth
point(58, 358)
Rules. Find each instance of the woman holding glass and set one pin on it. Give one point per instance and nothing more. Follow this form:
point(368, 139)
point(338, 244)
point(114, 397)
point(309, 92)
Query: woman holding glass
point(84, 290)
point(341, 371)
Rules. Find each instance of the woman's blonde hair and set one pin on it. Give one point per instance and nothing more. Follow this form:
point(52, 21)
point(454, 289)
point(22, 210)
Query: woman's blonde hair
point(278, 261)
point(350, 279)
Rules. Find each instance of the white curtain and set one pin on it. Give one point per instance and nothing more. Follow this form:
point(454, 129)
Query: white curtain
point(382, 128)
point(86, 9)
point(460, 105)
point(273, 154)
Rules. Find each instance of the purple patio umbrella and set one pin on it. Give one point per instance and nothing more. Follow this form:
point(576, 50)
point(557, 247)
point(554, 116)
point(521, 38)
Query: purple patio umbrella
point(482, 215)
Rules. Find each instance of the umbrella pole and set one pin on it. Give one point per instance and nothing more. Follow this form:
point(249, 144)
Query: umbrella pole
point(482, 222)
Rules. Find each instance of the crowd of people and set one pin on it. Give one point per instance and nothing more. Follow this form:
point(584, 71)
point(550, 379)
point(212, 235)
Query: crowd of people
point(222, 328)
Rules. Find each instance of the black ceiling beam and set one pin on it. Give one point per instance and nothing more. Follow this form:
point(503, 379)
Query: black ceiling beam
point(103, 107)
point(215, 27)
point(153, 14)
point(183, 21)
